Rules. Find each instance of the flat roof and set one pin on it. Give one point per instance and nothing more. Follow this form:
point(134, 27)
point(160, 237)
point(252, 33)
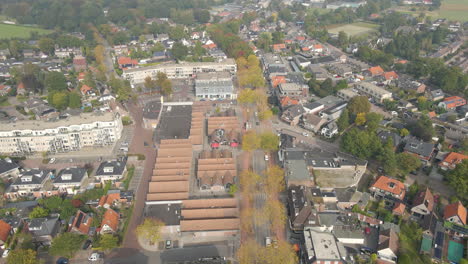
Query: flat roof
point(208, 213)
point(321, 245)
point(209, 225)
point(174, 123)
point(168, 213)
point(168, 187)
point(228, 61)
point(210, 203)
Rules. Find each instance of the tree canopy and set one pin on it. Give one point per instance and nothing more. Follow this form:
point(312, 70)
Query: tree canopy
point(458, 179)
point(22, 256)
point(359, 104)
point(150, 230)
point(66, 244)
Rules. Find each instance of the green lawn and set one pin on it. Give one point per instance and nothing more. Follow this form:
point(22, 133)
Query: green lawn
point(16, 31)
point(354, 29)
point(454, 10)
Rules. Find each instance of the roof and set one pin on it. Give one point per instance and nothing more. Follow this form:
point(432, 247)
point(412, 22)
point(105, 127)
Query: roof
point(399, 208)
point(32, 176)
point(425, 197)
point(390, 75)
point(43, 226)
point(126, 60)
point(109, 199)
point(455, 209)
point(452, 98)
point(321, 245)
point(7, 165)
point(111, 167)
point(287, 101)
point(169, 213)
point(82, 222)
point(5, 229)
point(386, 135)
point(85, 88)
point(70, 175)
point(388, 239)
point(209, 225)
point(111, 219)
point(454, 158)
point(390, 185)
point(377, 70)
point(416, 146)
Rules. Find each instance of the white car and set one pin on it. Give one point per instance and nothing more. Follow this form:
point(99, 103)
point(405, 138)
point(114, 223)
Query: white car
point(305, 134)
point(52, 160)
point(266, 157)
point(94, 257)
point(267, 241)
point(6, 253)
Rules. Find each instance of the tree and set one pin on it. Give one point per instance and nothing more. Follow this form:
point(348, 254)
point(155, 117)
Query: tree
point(404, 132)
point(108, 241)
point(66, 244)
point(22, 256)
point(373, 121)
point(269, 141)
point(52, 203)
point(274, 180)
point(179, 51)
point(422, 128)
point(201, 15)
point(359, 104)
point(343, 121)
point(38, 212)
point(408, 163)
point(343, 39)
point(150, 230)
point(55, 81)
point(265, 114)
point(166, 87)
point(74, 100)
point(387, 158)
point(59, 100)
point(246, 96)
point(250, 141)
point(360, 119)
point(47, 45)
point(458, 179)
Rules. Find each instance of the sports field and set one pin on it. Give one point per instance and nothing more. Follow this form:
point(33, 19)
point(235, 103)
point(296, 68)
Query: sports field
point(354, 29)
point(454, 10)
point(16, 31)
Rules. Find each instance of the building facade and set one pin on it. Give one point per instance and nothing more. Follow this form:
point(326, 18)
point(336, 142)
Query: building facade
point(216, 85)
point(179, 71)
point(374, 91)
point(87, 130)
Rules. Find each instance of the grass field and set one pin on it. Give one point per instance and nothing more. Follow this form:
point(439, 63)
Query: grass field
point(451, 9)
point(354, 29)
point(16, 31)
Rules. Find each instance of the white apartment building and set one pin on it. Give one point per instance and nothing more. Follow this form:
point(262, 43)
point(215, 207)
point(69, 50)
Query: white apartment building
point(71, 134)
point(179, 70)
point(374, 91)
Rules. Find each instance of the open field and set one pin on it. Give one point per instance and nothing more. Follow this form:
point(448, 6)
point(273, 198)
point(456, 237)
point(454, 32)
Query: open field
point(450, 9)
point(354, 29)
point(16, 31)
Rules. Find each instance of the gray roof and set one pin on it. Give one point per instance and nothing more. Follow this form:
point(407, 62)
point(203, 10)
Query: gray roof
point(70, 175)
point(419, 147)
point(43, 226)
point(293, 111)
point(384, 136)
point(213, 83)
point(7, 165)
point(296, 170)
point(32, 176)
point(118, 167)
point(168, 213)
point(320, 158)
point(329, 101)
point(152, 109)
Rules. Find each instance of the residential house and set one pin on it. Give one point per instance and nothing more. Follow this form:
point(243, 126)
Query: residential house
point(374, 71)
point(329, 130)
point(293, 90)
point(377, 93)
point(81, 223)
point(4, 54)
point(423, 204)
point(334, 112)
point(21, 89)
point(70, 179)
point(4, 89)
point(300, 208)
point(63, 53)
point(399, 208)
point(108, 200)
point(15, 222)
point(28, 53)
point(385, 136)
point(451, 160)
point(313, 107)
point(341, 69)
point(452, 102)
point(455, 213)
point(86, 90)
point(436, 95)
point(347, 94)
point(113, 170)
point(79, 63)
point(110, 222)
point(321, 247)
point(293, 114)
point(312, 122)
point(43, 230)
point(28, 182)
point(218, 54)
point(5, 232)
point(214, 86)
point(387, 248)
point(390, 76)
point(385, 187)
point(287, 102)
point(126, 62)
point(407, 83)
point(420, 149)
point(319, 72)
point(8, 168)
point(279, 47)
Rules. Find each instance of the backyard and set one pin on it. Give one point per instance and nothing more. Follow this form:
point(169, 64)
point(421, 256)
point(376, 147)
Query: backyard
point(15, 31)
point(354, 29)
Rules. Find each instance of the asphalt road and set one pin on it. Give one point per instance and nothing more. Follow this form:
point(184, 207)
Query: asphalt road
point(259, 165)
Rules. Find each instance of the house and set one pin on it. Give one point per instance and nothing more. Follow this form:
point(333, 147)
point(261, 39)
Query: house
point(390, 76)
point(313, 107)
point(321, 247)
point(86, 90)
point(28, 53)
point(4, 54)
point(452, 102)
point(388, 188)
point(293, 90)
point(420, 149)
point(374, 71)
point(318, 48)
point(385, 136)
point(377, 93)
point(342, 69)
point(312, 122)
point(287, 102)
point(43, 230)
point(436, 95)
point(5, 232)
point(8, 168)
point(293, 114)
point(334, 112)
point(4, 89)
point(81, 223)
point(70, 179)
point(387, 248)
point(81, 76)
point(79, 63)
point(451, 160)
point(110, 222)
point(399, 208)
point(113, 170)
point(28, 182)
point(300, 208)
point(407, 83)
point(21, 89)
point(279, 47)
point(15, 222)
point(108, 200)
point(423, 204)
point(215, 85)
point(347, 94)
point(329, 130)
point(455, 213)
point(126, 62)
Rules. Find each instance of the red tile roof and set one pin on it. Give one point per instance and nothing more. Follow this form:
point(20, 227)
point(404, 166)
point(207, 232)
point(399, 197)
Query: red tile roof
point(377, 70)
point(209, 46)
point(277, 80)
point(126, 61)
point(452, 159)
point(287, 101)
point(279, 47)
point(455, 209)
point(318, 46)
point(305, 48)
point(82, 222)
point(390, 185)
point(85, 89)
point(399, 208)
point(79, 61)
point(111, 219)
point(5, 229)
point(425, 197)
point(300, 38)
point(109, 199)
point(20, 86)
point(390, 75)
point(432, 114)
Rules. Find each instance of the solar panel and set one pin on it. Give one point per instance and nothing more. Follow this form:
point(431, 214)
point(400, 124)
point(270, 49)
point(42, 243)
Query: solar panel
point(439, 239)
point(460, 229)
point(78, 222)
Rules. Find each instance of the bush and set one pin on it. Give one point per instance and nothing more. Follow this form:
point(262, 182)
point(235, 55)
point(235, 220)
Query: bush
point(126, 120)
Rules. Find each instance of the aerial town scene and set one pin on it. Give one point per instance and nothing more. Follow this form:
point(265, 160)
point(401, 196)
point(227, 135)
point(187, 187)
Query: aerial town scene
point(233, 131)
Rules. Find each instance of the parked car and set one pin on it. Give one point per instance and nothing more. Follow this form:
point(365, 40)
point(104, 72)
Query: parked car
point(266, 158)
point(268, 241)
point(168, 244)
point(52, 160)
point(305, 134)
point(94, 257)
point(62, 260)
point(6, 253)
